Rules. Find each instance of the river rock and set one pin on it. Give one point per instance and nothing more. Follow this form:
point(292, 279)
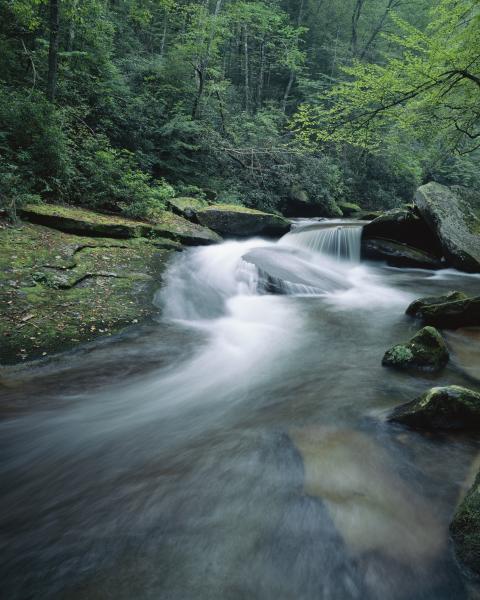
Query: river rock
point(465, 528)
point(451, 311)
point(452, 220)
point(397, 254)
point(404, 225)
point(452, 407)
point(186, 207)
point(81, 221)
point(426, 350)
point(349, 208)
point(238, 221)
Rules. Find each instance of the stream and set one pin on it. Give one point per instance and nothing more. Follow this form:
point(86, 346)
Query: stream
point(238, 447)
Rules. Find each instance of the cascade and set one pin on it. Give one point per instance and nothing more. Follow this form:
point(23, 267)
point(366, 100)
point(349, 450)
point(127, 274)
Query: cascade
point(340, 240)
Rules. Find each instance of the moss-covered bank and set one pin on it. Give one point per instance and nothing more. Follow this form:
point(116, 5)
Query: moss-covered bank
point(59, 289)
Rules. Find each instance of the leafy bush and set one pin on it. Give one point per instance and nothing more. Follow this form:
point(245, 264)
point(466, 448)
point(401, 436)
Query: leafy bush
point(109, 179)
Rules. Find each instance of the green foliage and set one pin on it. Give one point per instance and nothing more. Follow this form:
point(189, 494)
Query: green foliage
point(109, 179)
point(200, 94)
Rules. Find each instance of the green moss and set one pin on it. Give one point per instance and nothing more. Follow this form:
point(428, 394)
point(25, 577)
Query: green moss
point(426, 350)
point(57, 289)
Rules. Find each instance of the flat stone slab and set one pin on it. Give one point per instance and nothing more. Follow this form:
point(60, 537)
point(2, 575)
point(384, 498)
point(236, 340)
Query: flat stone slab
point(81, 221)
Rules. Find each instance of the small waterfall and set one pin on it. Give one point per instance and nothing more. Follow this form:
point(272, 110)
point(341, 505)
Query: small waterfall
point(341, 240)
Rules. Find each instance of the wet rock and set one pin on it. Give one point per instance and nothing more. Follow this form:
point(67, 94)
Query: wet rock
point(451, 408)
point(86, 222)
point(451, 311)
point(397, 254)
point(238, 221)
point(405, 226)
point(452, 220)
point(286, 271)
point(426, 351)
point(465, 529)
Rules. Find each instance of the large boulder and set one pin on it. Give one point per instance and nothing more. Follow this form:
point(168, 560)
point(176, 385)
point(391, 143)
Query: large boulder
point(238, 221)
point(80, 221)
point(186, 207)
point(405, 226)
point(349, 208)
point(425, 351)
point(450, 217)
point(452, 407)
point(450, 311)
point(298, 204)
point(397, 254)
point(465, 528)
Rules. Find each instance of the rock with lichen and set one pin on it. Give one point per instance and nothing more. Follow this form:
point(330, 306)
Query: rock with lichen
point(446, 408)
point(427, 350)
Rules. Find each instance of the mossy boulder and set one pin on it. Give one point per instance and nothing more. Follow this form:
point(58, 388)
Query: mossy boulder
point(397, 254)
point(58, 290)
point(450, 311)
point(465, 529)
point(447, 408)
point(349, 208)
point(81, 221)
point(425, 351)
point(238, 221)
point(452, 220)
point(404, 225)
point(187, 207)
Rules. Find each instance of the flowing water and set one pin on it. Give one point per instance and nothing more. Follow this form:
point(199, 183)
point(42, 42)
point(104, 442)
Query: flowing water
point(237, 448)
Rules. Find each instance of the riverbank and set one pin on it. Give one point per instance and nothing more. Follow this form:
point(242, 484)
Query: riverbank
point(58, 290)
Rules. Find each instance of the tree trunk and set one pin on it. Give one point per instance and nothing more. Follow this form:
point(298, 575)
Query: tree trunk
point(53, 50)
point(390, 4)
point(357, 11)
point(247, 76)
point(291, 77)
point(202, 66)
point(164, 35)
point(71, 29)
point(261, 75)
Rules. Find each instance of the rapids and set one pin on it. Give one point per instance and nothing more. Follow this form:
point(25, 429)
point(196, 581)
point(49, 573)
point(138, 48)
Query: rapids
point(237, 447)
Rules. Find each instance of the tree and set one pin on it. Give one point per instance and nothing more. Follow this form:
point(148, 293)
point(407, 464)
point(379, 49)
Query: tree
point(432, 83)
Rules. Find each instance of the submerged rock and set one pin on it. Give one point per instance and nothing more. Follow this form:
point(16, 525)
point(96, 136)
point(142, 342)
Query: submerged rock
point(451, 219)
point(238, 221)
point(426, 350)
point(80, 221)
point(465, 528)
point(451, 407)
point(451, 311)
point(397, 254)
point(405, 226)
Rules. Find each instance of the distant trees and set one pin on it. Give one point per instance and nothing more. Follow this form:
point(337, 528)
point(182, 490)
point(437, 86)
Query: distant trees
point(242, 100)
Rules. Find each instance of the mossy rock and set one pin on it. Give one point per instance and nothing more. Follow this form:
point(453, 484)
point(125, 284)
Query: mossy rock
point(81, 221)
point(186, 207)
point(239, 221)
point(403, 225)
point(397, 254)
point(58, 290)
point(446, 408)
point(465, 529)
point(349, 208)
point(425, 351)
point(450, 311)
point(451, 218)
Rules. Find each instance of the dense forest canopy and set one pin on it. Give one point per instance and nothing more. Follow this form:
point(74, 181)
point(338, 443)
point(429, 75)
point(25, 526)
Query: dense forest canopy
point(120, 104)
